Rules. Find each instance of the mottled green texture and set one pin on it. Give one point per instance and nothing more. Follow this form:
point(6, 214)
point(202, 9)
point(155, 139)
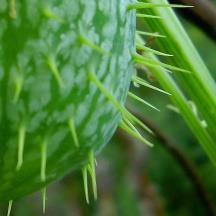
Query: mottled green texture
point(47, 50)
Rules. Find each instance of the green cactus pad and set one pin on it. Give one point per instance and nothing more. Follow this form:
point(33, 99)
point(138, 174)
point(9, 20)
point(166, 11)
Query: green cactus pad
point(51, 113)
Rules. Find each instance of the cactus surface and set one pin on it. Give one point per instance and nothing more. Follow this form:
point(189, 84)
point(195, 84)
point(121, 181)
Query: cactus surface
point(54, 57)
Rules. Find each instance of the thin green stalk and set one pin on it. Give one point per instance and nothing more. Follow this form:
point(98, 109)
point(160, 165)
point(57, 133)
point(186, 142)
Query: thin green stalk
point(199, 86)
point(169, 84)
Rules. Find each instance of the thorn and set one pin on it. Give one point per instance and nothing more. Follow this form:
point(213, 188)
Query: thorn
point(43, 171)
point(96, 163)
point(156, 34)
point(21, 143)
point(18, 88)
point(9, 207)
point(44, 199)
point(143, 82)
point(91, 169)
point(105, 92)
point(142, 5)
point(145, 48)
point(130, 117)
point(148, 16)
point(54, 69)
point(142, 101)
point(12, 9)
point(50, 15)
point(73, 131)
point(196, 113)
point(43, 160)
point(173, 108)
point(131, 126)
point(134, 133)
point(153, 63)
point(90, 44)
point(85, 183)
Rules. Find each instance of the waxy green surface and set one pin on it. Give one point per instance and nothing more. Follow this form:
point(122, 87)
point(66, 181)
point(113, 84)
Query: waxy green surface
point(47, 51)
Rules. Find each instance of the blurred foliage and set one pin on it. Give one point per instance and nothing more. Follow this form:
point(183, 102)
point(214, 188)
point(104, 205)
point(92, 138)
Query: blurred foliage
point(166, 190)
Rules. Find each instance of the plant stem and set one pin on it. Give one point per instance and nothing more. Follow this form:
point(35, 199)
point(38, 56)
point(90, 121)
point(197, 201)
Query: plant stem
point(199, 86)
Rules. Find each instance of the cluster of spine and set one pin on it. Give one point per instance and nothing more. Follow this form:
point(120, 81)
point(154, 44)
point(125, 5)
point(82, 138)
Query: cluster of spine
point(128, 122)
